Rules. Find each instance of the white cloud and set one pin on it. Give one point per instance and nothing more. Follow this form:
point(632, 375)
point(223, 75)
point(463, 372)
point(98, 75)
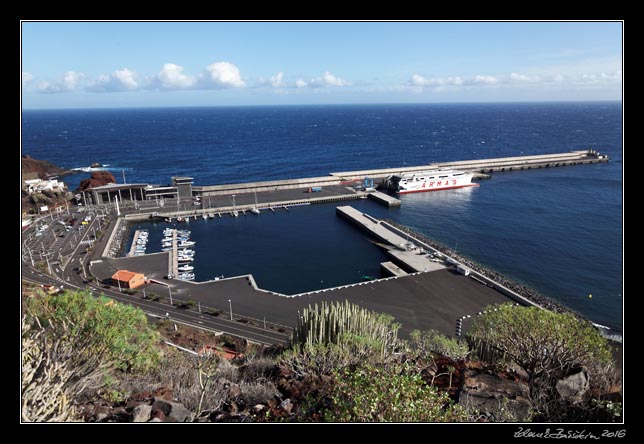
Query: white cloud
point(301, 83)
point(171, 76)
point(120, 80)
point(69, 82)
point(601, 77)
point(417, 80)
point(26, 78)
point(327, 79)
point(484, 80)
point(521, 78)
point(222, 75)
point(277, 81)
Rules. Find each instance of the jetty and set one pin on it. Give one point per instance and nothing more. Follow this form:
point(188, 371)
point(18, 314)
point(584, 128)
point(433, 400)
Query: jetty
point(499, 164)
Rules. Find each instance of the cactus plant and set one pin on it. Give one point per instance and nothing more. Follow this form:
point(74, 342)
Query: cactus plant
point(335, 322)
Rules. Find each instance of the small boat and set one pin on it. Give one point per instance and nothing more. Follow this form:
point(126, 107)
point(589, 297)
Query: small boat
point(234, 213)
point(186, 244)
point(204, 216)
point(180, 219)
point(186, 267)
point(254, 210)
point(185, 259)
point(186, 276)
point(211, 215)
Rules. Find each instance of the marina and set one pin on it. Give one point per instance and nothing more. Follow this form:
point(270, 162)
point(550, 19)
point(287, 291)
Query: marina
point(404, 259)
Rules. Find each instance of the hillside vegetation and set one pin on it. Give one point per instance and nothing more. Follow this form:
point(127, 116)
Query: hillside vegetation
point(91, 359)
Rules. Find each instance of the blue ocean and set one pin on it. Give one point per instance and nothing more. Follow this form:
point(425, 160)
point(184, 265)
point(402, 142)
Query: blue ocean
point(557, 230)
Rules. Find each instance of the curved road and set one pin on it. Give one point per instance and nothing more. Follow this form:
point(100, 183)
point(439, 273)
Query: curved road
point(70, 279)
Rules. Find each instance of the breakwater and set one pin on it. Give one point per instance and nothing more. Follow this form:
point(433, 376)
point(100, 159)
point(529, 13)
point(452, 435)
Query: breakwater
point(528, 293)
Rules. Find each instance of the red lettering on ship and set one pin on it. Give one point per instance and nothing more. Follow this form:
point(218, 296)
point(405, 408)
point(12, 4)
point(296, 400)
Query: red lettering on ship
point(431, 184)
point(453, 181)
point(439, 183)
point(423, 184)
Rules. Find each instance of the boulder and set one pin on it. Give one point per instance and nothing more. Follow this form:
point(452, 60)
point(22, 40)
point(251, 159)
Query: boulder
point(497, 398)
point(286, 405)
point(173, 411)
point(573, 387)
point(141, 413)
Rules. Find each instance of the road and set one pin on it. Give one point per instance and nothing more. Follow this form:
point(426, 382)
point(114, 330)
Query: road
point(69, 267)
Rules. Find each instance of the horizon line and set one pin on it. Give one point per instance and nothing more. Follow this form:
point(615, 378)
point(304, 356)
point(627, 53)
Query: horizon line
point(328, 104)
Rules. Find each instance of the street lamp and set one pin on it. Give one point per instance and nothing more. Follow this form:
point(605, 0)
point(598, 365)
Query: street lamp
point(230, 304)
point(170, 290)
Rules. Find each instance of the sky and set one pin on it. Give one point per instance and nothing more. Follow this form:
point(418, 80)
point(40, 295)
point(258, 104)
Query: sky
point(152, 64)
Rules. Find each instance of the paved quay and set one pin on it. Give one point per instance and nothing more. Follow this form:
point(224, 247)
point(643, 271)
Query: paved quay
point(265, 199)
point(433, 300)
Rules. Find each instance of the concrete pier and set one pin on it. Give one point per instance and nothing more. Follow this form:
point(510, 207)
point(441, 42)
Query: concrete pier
point(174, 255)
point(385, 199)
point(391, 269)
point(133, 246)
point(500, 164)
point(415, 260)
point(406, 254)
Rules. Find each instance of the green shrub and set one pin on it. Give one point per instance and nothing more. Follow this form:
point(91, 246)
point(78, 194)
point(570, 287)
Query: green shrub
point(213, 312)
point(425, 342)
point(547, 346)
point(117, 333)
point(393, 393)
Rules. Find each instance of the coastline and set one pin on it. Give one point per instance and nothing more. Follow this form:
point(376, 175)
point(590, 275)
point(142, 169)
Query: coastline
point(527, 292)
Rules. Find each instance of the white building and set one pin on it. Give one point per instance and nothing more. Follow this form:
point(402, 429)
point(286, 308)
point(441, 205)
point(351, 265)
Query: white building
point(39, 185)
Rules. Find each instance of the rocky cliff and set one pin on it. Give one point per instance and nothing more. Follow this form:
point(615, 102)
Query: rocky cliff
point(34, 168)
point(98, 178)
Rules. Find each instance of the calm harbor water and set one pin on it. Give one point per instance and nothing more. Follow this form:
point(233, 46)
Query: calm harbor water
point(557, 230)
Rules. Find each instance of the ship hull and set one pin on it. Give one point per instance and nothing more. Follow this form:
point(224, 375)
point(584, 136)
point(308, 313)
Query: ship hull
point(437, 180)
point(427, 190)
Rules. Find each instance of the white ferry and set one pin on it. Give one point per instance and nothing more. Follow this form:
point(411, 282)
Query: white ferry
point(433, 180)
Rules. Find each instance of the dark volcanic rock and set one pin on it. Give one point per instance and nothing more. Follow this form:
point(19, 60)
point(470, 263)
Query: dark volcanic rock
point(173, 411)
point(495, 396)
